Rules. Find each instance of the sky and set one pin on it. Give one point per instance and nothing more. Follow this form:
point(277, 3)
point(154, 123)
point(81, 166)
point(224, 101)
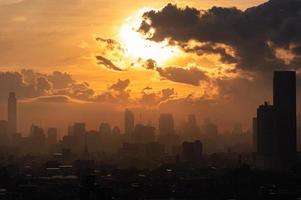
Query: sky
point(88, 60)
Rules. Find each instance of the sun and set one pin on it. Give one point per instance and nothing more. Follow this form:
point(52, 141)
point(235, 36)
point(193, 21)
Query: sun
point(138, 47)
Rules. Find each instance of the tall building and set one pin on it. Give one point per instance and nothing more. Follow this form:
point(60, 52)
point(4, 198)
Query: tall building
point(166, 124)
point(284, 97)
point(105, 128)
point(277, 124)
point(191, 121)
point(3, 132)
point(129, 122)
point(266, 127)
point(143, 134)
point(210, 129)
point(116, 131)
point(12, 114)
point(52, 136)
point(191, 130)
point(79, 131)
point(192, 151)
point(299, 131)
point(254, 126)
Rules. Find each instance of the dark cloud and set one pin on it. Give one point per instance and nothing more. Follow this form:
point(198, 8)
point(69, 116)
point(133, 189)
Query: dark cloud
point(43, 85)
point(60, 80)
point(211, 49)
point(30, 84)
point(110, 44)
point(120, 85)
point(254, 34)
point(153, 99)
point(107, 63)
point(150, 64)
point(191, 76)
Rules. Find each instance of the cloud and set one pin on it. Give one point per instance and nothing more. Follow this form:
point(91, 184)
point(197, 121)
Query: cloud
point(107, 63)
point(191, 76)
point(253, 34)
point(154, 99)
point(120, 85)
point(43, 85)
point(30, 84)
point(53, 99)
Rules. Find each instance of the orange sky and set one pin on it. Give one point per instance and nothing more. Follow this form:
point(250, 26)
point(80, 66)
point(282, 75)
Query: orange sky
point(48, 35)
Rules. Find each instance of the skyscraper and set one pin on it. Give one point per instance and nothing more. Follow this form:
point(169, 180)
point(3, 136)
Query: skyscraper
point(299, 131)
point(105, 128)
point(285, 104)
point(277, 124)
point(254, 124)
point(166, 124)
point(266, 127)
point(52, 136)
point(191, 130)
point(129, 122)
point(12, 114)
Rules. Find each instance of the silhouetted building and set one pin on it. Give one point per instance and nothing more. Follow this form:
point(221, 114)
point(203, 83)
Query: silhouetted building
point(37, 139)
point(143, 134)
point(3, 132)
point(129, 122)
point(266, 127)
point(105, 128)
point(192, 151)
point(166, 124)
point(12, 114)
point(299, 131)
point(70, 130)
point(191, 130)
point(210, 129)
point(52, 136)
point(116, 131)
point(192, 121)
point(79, 131)
point(254, 130)
point(284, 97)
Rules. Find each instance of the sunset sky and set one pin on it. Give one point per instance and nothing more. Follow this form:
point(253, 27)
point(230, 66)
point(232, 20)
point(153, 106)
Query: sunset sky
point(87, 60)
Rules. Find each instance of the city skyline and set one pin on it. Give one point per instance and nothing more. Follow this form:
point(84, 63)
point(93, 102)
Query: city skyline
point(148, 100)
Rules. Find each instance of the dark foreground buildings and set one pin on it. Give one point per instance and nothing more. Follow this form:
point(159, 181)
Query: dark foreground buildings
point(12, 114)
point(277, 125)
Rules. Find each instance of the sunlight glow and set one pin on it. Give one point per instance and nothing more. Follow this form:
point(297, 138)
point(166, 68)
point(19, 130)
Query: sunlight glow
point(138, 47)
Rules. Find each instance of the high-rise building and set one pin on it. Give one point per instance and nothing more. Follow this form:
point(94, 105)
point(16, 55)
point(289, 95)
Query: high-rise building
point(277, 124)
point(116, 131)
point(105, 128)
point(191, 121)
point(3, 132)
point(129, 122)
point(254, 126)
point(299, 131)
point(12, 114)
point(192, 151)
point(210, 129)
point(166, 124)
point(191, 130)
point(37, 139)
point(266, 127)
point(79, 131)
point(143, 134)
point(284, 97)
point(52, 136)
